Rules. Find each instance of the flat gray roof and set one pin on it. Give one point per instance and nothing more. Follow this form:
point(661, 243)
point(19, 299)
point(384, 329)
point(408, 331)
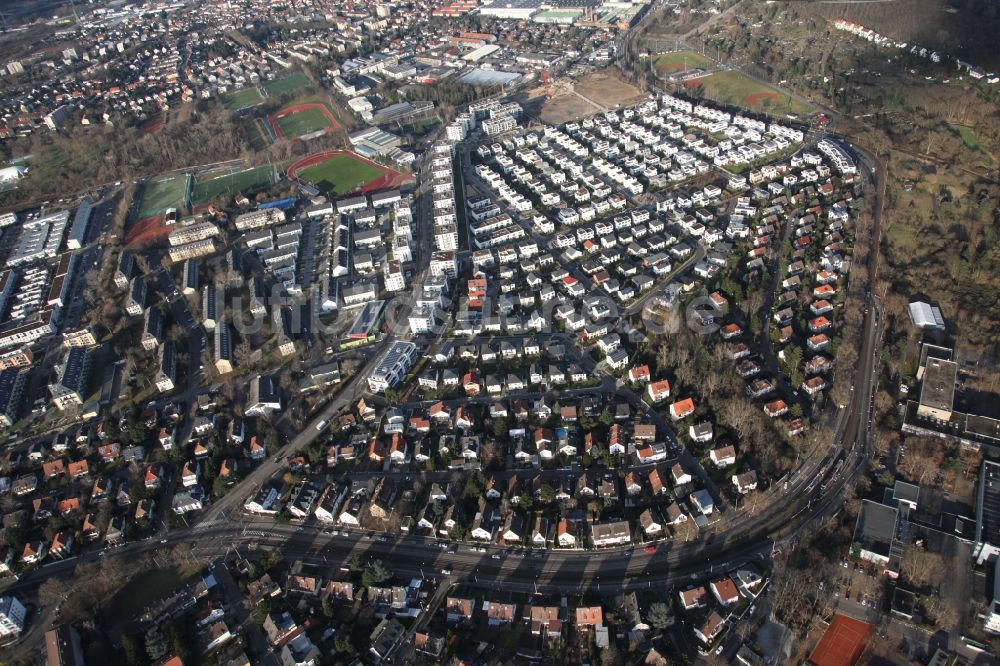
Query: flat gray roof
point(876, 527)
point(938, 389)
point(988, 504)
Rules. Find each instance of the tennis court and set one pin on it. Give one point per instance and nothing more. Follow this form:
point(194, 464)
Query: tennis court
point(843, 643)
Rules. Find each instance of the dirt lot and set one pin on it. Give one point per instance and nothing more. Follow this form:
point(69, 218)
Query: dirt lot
point(608, 89)
point(565, 106)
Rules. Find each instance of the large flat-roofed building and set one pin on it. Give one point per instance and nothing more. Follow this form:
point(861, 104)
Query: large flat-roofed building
point(875, 532)
point(988, 513)
point(264, 397)
point(71, 378)
point(392, 366)
point(26, 332)
point(152, 330)
point(12, 614)
point(926, 316)
point(223, 349)
point(192, 250)
point(79, 337)
point(517, 10)
point(365, 325)
point(933, 413)
point(937, 391)
point(11, 394)
point(81, 222)
point(211, 298)
point(167, 370)
point(125, 270)
point(16, 358)
point(40, 238)
point(194, 231)
point(258, 219)
point(135, 303)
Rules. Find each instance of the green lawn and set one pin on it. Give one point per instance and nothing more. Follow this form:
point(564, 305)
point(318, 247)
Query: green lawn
point(968, 136)
point(242, 98)
point(737, 89)
point(259, 137)
point(303, 122)
point(286, 84)
point(146, 588)
point(159, 195)
point(679, 61)
point(212, 185)
point(340, 174)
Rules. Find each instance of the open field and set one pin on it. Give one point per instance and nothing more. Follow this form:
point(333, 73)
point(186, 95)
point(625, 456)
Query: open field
point(737, 89)
point(563, 107)
point(159, 195)
point(258, 133)
point(212, 185)
point(299, 121)
point(286, 84)
point(609, 89)
point(968, 136)
point(242, 98)
point(339, 173)
point(302, 119)
point(679, 61)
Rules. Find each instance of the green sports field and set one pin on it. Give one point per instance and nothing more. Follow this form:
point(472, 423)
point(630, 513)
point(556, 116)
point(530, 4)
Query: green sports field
point(340, 174)
point(737, 89)
point(303, 122)
point(678, 61)
point(286, 84)
point(242, 98)
point(159, 195)
point(212, 185)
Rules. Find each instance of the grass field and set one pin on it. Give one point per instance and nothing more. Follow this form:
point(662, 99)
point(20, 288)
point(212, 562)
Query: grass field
point(242, 98)
point(968, 136)
point(286, 84)
point(737, 89)
point(340, 174)
point(212, 185)
point(303, 122)
point(678, 61)
point(159, 195)
point(257, 135)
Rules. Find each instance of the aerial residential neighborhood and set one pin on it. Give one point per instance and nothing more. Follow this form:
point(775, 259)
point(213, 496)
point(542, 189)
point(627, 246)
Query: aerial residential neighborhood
point(498, 332)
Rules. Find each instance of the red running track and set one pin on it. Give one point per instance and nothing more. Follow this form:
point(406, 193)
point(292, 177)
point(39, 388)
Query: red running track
point(273, 120)
point(389, 179)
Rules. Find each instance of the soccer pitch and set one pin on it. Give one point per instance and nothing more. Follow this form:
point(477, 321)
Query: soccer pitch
point(213, 185)
point(239, 99)
point(286, 84)
point(302, 122)
point(340, 174)
point(159, 195)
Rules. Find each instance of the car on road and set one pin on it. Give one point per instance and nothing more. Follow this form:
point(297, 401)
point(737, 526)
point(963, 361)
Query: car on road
point(650, 549)
point(322, 425)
